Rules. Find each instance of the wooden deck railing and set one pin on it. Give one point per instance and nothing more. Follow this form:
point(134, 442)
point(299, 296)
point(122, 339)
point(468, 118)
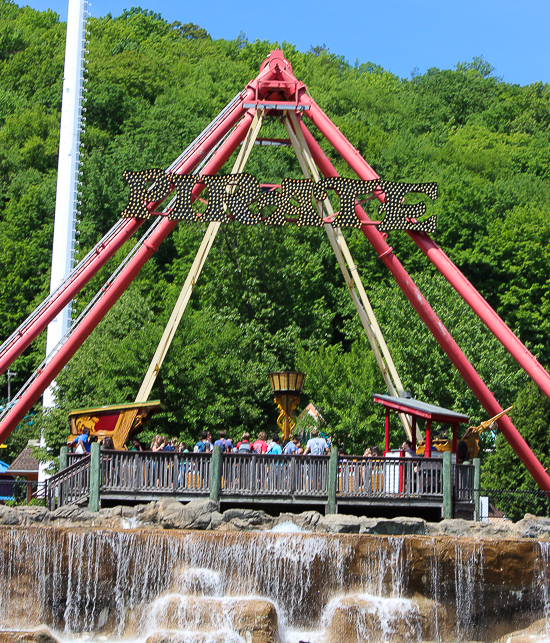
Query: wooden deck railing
point(463, 481)
point(284, 475)
point(145, 471)
point(389, 477)
point(135, 475)
point(71, 485)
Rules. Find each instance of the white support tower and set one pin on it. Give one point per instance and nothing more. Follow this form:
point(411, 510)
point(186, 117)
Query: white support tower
point(66, 202)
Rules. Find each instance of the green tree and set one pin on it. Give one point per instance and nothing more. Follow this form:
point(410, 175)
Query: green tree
point(503, 468)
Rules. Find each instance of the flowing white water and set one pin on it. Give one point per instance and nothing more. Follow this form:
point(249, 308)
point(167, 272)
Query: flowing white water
point(195, 587)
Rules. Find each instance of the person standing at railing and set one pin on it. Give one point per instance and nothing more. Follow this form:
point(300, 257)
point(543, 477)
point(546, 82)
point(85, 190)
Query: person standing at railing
point(291, 447)
point(316, 445)
point(222, 442)
point(407, 447)
point(275, 448)
point(202, 445)
point(82, 442)
point(244, 446)
point(260, 446)
point(136, 446)
point(208, 442)
point(172, 445)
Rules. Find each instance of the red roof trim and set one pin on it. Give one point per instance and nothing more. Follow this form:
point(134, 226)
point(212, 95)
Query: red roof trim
point(401, 407)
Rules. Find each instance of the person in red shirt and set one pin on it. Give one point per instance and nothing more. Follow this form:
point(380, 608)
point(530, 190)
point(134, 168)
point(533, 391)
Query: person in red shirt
point(260, 446)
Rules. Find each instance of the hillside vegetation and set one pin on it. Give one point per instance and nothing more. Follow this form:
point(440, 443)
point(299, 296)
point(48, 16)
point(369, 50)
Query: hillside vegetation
point(272, 298)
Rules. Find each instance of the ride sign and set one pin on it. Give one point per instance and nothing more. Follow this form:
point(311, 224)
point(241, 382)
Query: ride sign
point(240, 197)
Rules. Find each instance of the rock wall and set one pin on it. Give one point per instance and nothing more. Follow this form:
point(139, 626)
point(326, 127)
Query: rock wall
point(204, 515)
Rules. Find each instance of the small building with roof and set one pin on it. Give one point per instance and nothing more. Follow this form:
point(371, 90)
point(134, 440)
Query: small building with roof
point(421, 410)
point(26, 466)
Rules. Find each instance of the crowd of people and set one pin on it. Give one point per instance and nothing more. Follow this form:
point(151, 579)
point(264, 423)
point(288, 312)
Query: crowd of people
point(316, 445)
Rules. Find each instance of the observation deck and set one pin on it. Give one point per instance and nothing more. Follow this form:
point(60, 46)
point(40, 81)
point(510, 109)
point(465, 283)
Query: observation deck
point(425, 487)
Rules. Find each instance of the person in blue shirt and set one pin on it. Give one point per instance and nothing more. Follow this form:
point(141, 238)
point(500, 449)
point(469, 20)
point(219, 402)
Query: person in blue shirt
point(291, 447)
point(222, 442)
point(81, 443)
point(275, 448)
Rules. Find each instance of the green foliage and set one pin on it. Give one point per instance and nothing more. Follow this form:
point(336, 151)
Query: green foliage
point(340, 384)
point(272, 298)
point(503, 469)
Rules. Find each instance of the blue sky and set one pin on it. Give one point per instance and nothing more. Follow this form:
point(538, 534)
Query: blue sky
point(400, 35)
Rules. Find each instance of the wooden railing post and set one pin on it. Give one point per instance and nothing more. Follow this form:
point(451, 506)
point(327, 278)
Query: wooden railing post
point(477, 485)
point(95, 477)
point(63, 458)
point(332, 482)
point(216, 474)
point(447, 485)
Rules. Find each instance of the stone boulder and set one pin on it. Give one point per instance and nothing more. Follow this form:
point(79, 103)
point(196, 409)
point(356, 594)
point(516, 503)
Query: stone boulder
point(363, 618)
point(307, 521)
point(248, 519)
point(194, 515)
point(339, 524)
point(400, 526)
point(533, 527)
point(535, 633)
point(40, 636)
point(212, 619)
point(9, 516)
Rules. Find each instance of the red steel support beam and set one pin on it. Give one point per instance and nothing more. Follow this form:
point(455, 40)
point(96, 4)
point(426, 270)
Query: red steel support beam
point(94, 264)
point(387, 431)
point(412, 292)
point(481, 308)
point(440, 260)
point(115, 290)
point(428, 442)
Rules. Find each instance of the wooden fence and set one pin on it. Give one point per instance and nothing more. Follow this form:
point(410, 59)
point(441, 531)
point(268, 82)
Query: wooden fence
point(389, 477)
point(139, 471)
point(71, 485)
point(274, 475)
point(239, 477)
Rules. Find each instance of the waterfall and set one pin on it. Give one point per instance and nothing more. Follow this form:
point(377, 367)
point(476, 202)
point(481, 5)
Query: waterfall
point(153, 586)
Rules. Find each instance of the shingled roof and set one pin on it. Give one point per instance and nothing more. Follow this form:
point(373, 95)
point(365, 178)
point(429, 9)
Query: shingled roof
point(25, 462)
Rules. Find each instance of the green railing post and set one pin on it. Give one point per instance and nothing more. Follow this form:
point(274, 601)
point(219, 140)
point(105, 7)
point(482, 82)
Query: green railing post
point(95, 476)
point(216, 474)
point(63, 458)
point(332, 481)
point(447, 485)
point(477, 485)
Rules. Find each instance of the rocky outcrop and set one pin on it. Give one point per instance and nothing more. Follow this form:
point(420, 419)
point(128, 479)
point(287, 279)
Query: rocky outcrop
point(204, 514)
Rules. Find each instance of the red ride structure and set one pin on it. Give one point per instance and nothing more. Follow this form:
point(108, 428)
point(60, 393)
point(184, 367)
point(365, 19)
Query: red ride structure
point(274, 91)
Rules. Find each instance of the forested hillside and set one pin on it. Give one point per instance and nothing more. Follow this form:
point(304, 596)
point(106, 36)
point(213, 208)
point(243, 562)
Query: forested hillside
point(272, 298)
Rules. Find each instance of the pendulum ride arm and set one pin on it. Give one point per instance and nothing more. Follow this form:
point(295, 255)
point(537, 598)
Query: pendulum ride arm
point(481, 308)
point(194, 271)
point(441, 261)
point(108, 246)
point(77, 279)
point(412, 292)
point(123, 280)
point(354, 284)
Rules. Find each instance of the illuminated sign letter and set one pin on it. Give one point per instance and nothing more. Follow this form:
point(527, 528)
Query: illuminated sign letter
point(141, 194)
point(347, 190)
point(182, 210)
point(404, 217)
point(241, 191)
point(298, 189)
